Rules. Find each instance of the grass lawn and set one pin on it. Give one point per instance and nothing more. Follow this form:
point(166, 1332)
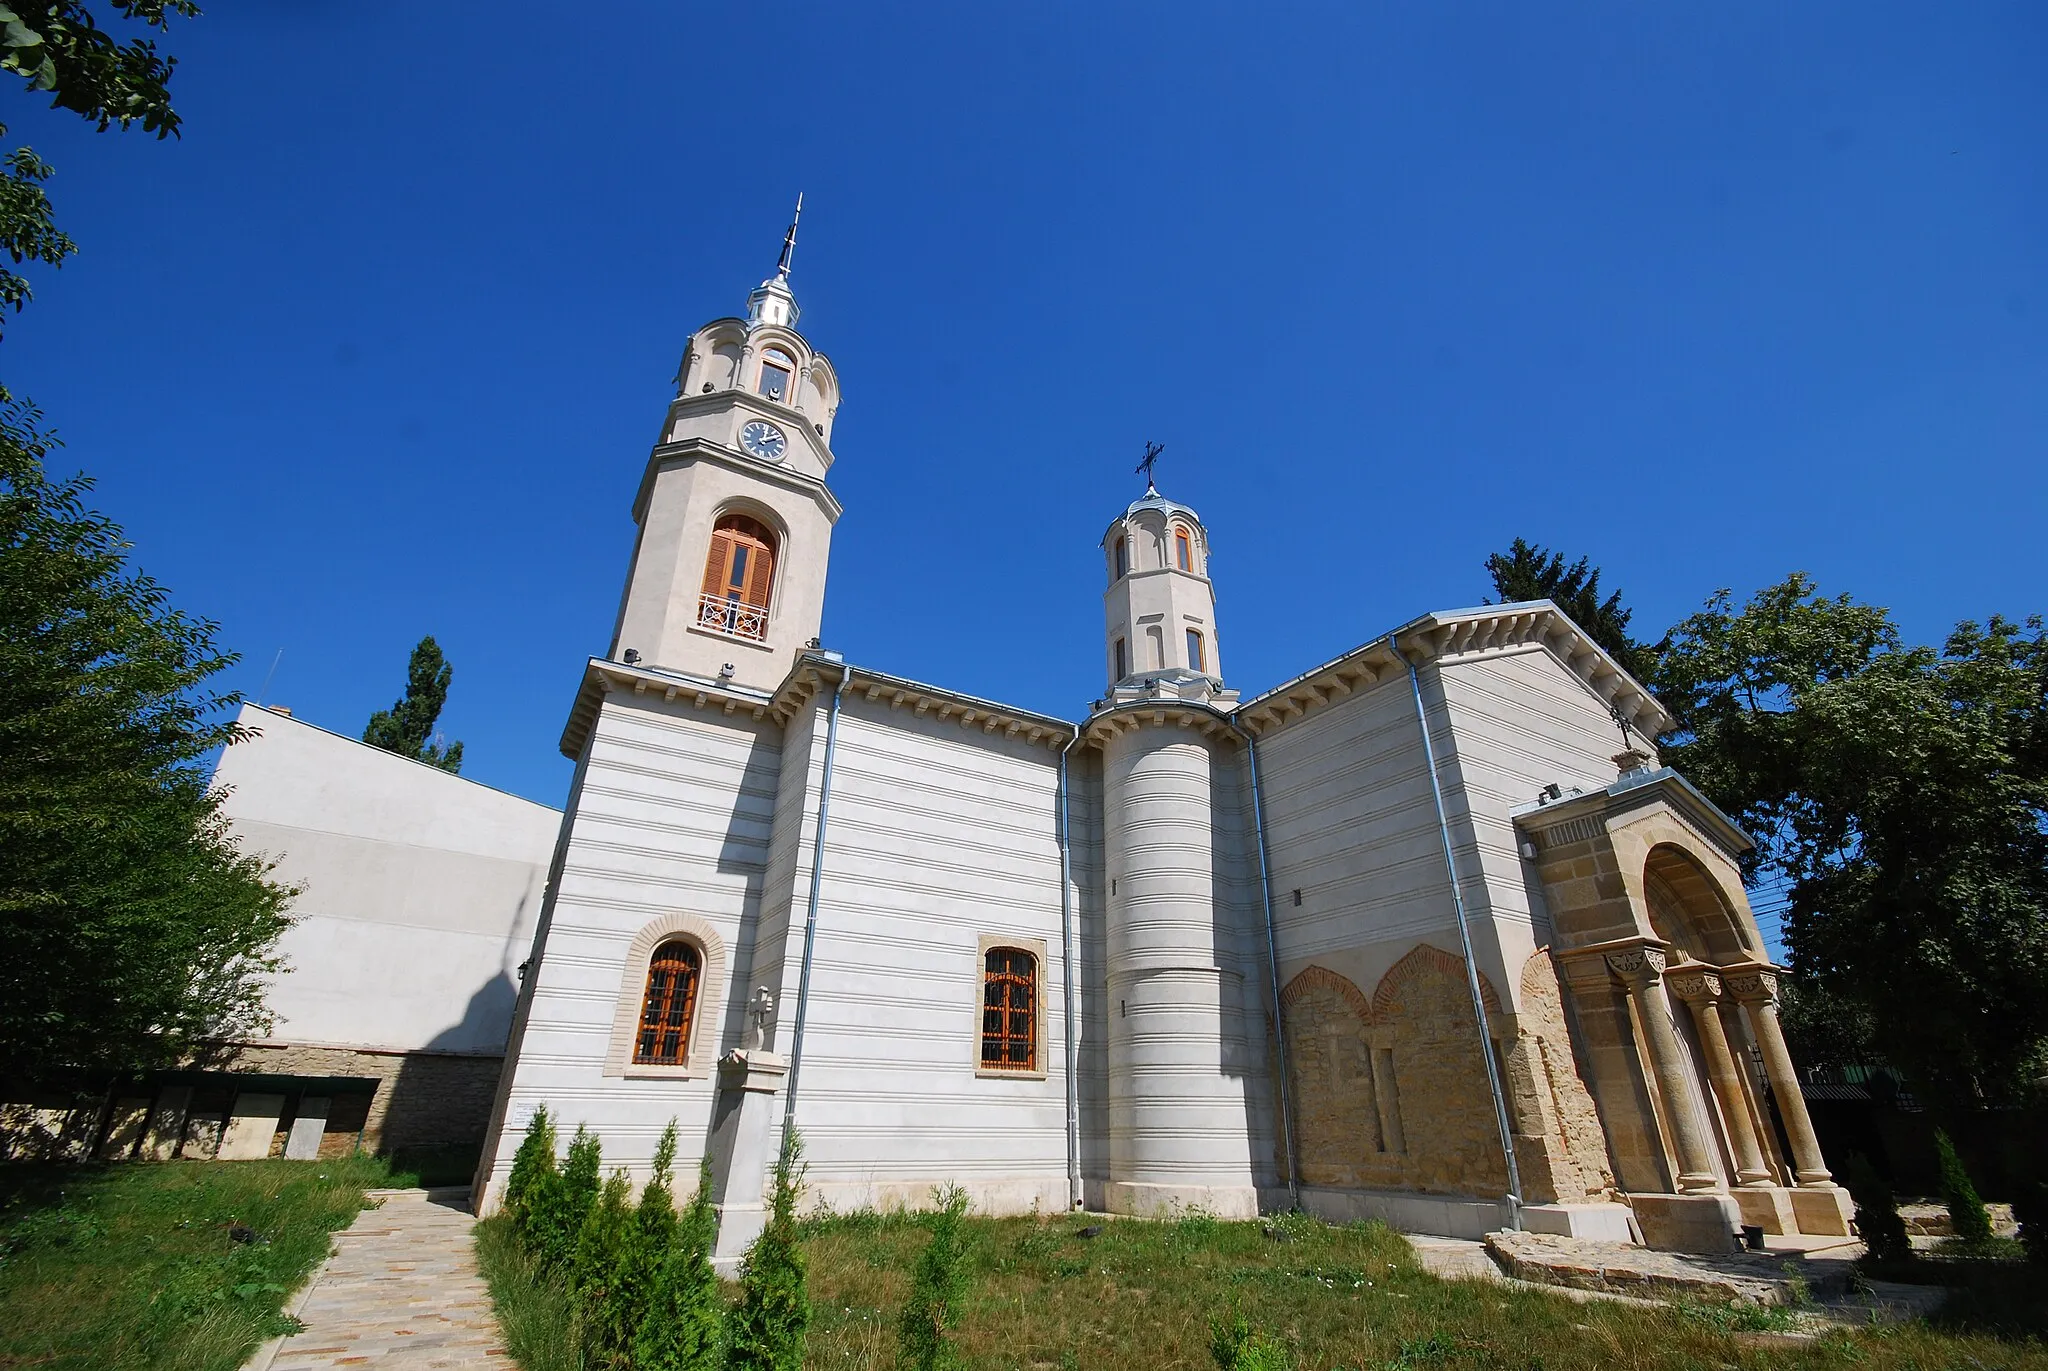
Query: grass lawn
point(133, 1266)
point(1143, 1295)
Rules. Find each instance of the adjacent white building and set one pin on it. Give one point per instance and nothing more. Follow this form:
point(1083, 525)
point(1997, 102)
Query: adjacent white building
point(419, 895)
point(1424, 933)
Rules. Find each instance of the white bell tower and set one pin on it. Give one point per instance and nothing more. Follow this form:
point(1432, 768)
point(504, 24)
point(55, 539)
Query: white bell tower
point(728, 574)
point(1177, 1104)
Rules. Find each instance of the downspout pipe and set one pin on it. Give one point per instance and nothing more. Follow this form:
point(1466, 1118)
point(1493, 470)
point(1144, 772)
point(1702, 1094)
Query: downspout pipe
point(1251, 745)
point(1074, 1198)
point(803, 983)
point(1443, 820)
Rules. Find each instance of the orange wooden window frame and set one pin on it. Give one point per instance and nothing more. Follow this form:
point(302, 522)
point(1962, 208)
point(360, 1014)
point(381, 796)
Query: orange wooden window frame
point(674, 973)
point(1183, 548)
point(755, 575)
point(1198, 660)
point(1009, 1010)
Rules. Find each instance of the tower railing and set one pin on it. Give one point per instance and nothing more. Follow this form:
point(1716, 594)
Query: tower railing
point(732, 616)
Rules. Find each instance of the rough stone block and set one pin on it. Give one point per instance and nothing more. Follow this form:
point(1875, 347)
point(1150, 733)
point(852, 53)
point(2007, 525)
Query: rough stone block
point(1599, 1222)
point(1768, 1207)
point(1705, 1223)
point(1823, 1209)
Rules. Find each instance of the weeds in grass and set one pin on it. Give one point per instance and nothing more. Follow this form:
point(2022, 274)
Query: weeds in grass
point(1738, 1316)
point(536, 1311)
point(1237, 1346)
point(119, 1268)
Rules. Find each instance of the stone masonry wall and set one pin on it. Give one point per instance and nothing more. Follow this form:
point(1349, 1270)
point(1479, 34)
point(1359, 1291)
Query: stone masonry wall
point(423, 1099)
point(1392, 1093)
point(1559, 1142)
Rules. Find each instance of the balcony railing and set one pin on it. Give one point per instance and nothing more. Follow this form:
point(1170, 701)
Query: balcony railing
point(736, 618)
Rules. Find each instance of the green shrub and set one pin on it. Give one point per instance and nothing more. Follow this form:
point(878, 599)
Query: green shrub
point(765, 1330)
point(1877, 1212)
point(1237, 1346)
point(679, 1331)
point(534, 1160)
point(603, 1254)
point(1968, 1219)
point(937, 1286)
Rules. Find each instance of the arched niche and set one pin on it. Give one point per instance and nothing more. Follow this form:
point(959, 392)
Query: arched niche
point(1689, 910)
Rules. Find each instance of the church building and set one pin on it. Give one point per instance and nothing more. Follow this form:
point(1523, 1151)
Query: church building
point(1425, 933)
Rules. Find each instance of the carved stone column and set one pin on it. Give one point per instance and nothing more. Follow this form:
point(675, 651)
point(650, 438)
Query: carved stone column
point(1640, 969)
point(1702, 991)
point(1758, 992)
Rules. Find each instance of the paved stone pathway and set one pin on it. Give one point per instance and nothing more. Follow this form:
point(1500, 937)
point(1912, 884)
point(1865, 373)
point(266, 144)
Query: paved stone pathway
point(400, 1293)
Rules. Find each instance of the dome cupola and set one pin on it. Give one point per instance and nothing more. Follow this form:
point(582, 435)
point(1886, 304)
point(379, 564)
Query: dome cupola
point(1160, 607)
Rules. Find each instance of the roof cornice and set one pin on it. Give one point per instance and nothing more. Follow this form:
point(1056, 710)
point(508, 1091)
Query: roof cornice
point(1633, 791)
point(814, 673)
point(1463, 635)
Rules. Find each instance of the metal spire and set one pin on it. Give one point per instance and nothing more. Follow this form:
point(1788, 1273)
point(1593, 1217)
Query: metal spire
point(789, 240)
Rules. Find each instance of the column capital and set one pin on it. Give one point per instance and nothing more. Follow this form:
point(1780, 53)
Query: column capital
point(1639, 966)
point(1694, 984)
point(1756, 987)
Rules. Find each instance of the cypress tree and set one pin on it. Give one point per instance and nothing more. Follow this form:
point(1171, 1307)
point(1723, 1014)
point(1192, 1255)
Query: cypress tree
point(648, 1240)
point(556, 1212)
point(680, 1330)
point(534, 1161)
point(1968, 1219)
point(936, 1289)
point(1877, 1213)
point(766, 1327)
point(407, 728)
point(602, 1255)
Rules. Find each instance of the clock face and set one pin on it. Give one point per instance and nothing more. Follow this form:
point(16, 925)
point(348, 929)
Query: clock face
point(764, 440)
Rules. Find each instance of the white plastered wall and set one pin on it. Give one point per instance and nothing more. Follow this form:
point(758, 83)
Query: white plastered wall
point(940, 836)
point(421, 889)
point(673, 816)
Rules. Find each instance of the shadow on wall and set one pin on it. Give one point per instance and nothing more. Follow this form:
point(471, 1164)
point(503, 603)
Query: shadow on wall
point(485, 1022)
point(744, 852)
point(439, 1103)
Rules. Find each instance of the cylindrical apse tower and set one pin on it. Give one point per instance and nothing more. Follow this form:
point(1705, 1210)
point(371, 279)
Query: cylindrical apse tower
point(1179, 1133)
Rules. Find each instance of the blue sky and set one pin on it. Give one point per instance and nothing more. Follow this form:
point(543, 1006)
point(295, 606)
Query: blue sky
point(379, 347)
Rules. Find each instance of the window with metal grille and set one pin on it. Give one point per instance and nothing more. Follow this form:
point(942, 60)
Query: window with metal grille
point(673, 974)
point(1009, 1010)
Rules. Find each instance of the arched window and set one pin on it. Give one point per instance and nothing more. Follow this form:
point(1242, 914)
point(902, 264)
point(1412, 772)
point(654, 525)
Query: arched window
point(1183, 549)
point(1123, 660)
point(1009, 1010)
point(1123, 559)
point(673, 975)
point(739, 576)
point(1196, 661)
point(777, 369)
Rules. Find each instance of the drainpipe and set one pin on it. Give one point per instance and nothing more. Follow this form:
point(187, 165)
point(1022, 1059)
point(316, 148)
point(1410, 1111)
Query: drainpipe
point(1273, 972)
point(1067, 977)
point(803, 984)
point(1500, 1101)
